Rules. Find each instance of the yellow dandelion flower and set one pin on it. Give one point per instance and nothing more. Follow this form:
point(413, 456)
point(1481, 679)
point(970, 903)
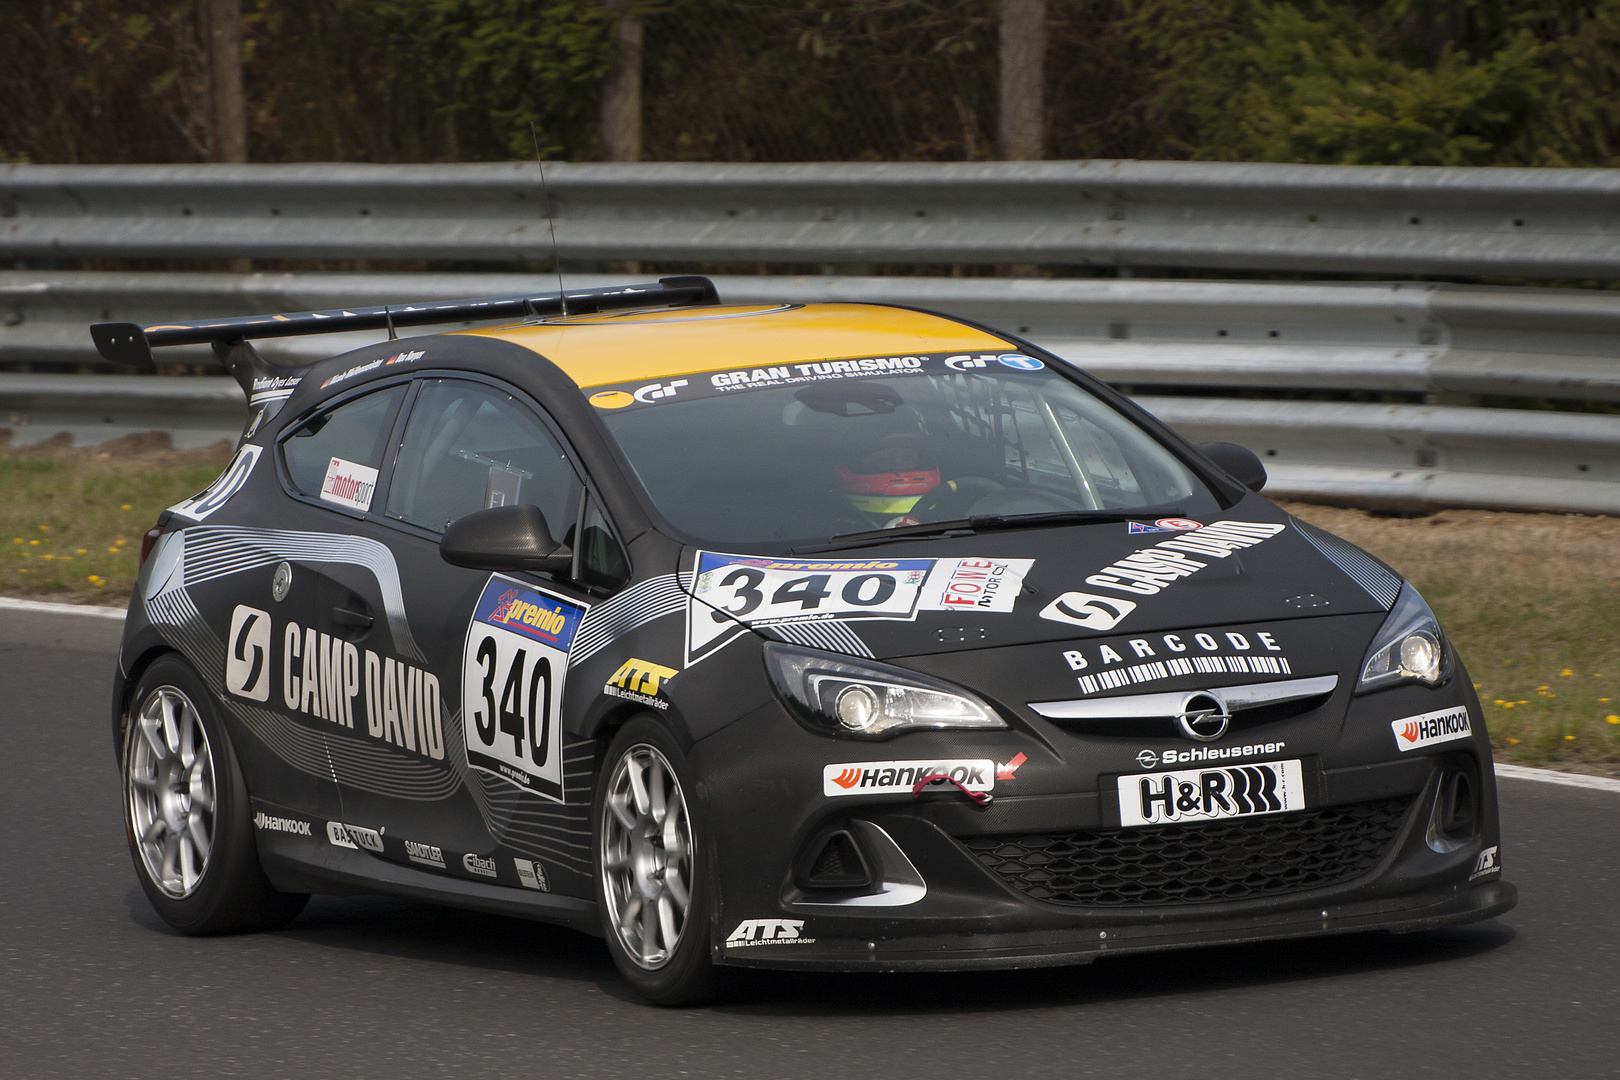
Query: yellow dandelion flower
point(82, 551)
point(44, 528)
point(112, 551)
point(1603, 700)
point(126, 506)
point(1569, 738)
point(1513, 742)
point(1509, 704)
point(33, 543)
point(1566, 671)
point(1499, 701)
point(47, 556)
point(94, 579)
point(1541, 688)
point(1611, 718)
point(18, 540)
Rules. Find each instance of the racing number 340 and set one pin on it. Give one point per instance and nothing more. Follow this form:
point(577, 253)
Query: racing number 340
point(514, 720)
point(860, 590)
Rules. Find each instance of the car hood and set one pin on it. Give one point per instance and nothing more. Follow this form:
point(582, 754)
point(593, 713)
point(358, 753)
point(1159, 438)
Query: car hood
point(1105, 581)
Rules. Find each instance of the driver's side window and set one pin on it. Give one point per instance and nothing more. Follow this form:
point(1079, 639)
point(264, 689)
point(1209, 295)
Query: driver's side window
point(469, 447)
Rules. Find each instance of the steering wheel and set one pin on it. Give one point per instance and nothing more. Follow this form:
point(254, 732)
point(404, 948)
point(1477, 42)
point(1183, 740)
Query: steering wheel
point(951, 500)
point(1022, 500)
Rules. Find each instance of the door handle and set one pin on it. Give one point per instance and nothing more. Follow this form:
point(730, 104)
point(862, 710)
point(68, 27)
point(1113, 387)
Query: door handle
point(344, 617)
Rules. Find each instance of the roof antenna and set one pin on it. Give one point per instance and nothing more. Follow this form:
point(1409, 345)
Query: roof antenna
point(389, 315)
point(545, 193)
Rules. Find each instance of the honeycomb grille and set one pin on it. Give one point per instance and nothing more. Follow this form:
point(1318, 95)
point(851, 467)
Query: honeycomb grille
point(1202, 863)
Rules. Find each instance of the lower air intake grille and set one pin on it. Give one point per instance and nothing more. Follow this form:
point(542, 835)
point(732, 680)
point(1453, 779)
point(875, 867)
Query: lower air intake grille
point(1200, 863)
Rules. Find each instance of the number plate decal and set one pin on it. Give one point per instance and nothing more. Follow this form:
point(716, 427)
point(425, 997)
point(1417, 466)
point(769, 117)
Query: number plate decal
point(1270, 787)
point(512, 673)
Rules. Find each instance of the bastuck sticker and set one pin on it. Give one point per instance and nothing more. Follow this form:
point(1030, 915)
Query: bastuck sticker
point(349, 483)
point(513, 668)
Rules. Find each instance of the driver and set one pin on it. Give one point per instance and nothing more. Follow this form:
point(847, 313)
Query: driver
point(883, 479)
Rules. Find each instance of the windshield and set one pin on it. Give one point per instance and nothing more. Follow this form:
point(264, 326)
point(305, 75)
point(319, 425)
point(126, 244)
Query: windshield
point(800, 453)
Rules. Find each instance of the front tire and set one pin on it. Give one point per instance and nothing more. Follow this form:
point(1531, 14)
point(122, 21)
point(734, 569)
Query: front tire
point(651, 882)
point(187, 813)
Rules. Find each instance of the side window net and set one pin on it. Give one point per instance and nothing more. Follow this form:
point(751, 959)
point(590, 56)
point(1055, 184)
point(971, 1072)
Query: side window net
point(469, 447)
point(354, 432)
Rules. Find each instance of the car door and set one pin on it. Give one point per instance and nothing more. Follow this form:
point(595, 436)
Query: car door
point(308, 676)
point(473, 716)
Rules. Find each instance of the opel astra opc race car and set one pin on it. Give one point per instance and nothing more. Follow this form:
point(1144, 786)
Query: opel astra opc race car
point(832, 636)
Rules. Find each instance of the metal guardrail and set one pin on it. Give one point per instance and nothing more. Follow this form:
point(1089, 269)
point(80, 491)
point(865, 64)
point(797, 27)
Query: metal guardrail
point(1545, 223)
point(1425, 338)
point(1151, 336)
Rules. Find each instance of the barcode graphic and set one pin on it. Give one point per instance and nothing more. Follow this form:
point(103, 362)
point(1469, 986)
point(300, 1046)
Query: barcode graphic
point(1165, 669)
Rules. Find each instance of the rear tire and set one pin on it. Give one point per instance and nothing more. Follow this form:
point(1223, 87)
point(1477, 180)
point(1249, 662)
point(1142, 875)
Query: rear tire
point(652, 884)
point(187, 815)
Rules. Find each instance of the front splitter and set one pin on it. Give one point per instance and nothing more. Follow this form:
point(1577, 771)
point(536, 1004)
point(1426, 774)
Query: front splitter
point(969, 952)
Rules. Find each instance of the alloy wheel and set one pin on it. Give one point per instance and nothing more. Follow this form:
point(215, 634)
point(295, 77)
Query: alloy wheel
point(171, 792)
point(647, 856)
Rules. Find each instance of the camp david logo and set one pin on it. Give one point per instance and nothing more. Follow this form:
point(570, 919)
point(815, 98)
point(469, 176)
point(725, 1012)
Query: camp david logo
point(752, 932)
point(1443, 725)
point(247, 662)
point(1087, 610)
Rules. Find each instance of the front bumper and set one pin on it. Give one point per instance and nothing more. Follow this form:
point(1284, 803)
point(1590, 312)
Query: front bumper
point(763, 798)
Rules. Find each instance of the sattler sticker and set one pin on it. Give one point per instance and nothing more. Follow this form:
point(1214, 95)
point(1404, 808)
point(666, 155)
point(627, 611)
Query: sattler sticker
point(349, 483)
point(514, 665)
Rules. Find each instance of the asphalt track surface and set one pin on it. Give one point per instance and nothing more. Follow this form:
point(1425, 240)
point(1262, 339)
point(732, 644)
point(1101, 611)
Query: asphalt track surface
point(93, 985)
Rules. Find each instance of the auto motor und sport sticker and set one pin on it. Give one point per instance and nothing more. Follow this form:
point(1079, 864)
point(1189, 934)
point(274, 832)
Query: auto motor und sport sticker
point(348, 483)
point(1211, 794)
point(756, 591)
point(1440, 726)
point(514, 666)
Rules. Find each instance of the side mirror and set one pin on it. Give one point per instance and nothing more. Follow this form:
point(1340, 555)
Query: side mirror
point(504, 538)
point(1239, 462)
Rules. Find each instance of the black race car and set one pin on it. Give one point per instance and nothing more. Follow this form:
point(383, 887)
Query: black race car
point(832, 636)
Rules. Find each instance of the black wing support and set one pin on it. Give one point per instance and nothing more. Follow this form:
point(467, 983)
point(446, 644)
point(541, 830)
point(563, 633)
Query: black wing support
point(132, 344)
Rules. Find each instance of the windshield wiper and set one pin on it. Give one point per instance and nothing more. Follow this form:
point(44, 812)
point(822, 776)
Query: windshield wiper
point(971, 526)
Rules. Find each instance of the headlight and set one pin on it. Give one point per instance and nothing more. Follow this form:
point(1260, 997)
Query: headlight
point(836, 695)
point(1409, 646)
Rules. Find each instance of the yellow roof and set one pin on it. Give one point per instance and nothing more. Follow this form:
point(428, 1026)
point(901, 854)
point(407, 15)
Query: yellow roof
point(598, 350)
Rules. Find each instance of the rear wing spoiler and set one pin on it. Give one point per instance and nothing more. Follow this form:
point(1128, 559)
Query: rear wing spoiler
point(132, 344)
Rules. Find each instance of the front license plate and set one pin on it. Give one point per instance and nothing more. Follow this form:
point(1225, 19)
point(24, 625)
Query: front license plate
point(1270, 787)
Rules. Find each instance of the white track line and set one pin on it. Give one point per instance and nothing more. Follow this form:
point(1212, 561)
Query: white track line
point(1512, 772)
point(46, 608)
point(1548, 776)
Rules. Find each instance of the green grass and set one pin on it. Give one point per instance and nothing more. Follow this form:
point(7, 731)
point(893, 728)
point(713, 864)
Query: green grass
point(71, 523)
